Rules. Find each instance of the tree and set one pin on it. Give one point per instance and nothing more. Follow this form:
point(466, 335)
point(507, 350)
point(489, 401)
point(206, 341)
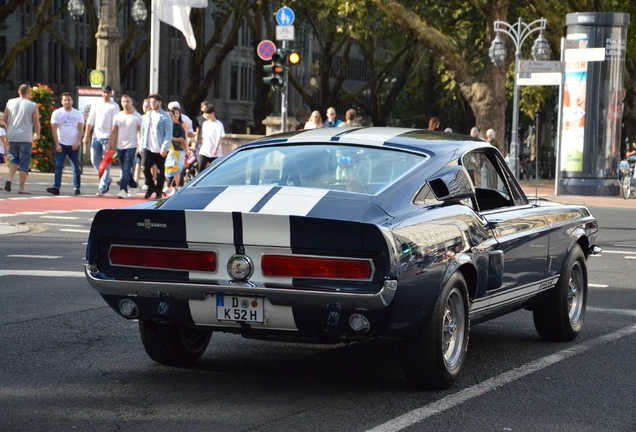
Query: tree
point(462, 51)
point(230, 20)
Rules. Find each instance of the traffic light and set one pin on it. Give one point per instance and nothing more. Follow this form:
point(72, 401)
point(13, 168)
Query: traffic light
point(293, 58)
point(275, 71)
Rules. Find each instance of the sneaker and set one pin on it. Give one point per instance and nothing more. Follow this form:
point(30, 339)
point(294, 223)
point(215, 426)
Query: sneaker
point(144, 188)
point(122, 194)
point(7, 186)
point(99, 193)
point(132, 192)
point(53, 190)
point(108, 187)
point(77, 192)
point(165, 189)
point(149, 192)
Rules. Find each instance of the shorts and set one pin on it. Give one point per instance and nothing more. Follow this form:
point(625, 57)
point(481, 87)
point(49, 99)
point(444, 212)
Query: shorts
point(20, 154)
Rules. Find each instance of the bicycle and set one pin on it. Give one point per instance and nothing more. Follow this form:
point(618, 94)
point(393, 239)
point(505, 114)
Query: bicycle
point(627, 168)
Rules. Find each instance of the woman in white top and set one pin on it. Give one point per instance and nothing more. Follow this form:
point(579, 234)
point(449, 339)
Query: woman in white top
point(315, 121)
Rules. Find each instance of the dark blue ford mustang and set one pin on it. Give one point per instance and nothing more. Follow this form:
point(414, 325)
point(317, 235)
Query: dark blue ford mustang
point(339, 235)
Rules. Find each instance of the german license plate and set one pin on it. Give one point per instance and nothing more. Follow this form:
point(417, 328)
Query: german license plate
point(235, 308)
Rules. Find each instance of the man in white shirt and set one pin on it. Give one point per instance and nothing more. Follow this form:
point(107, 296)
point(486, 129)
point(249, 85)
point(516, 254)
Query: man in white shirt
point(126, 126)
point(68, 127)
point(100, 122)
point(212, 133)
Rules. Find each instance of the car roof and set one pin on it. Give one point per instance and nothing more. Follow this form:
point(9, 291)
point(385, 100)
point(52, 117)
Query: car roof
point(416, 140)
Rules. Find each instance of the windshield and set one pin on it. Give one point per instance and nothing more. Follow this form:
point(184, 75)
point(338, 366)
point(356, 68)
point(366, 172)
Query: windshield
point(334, 167)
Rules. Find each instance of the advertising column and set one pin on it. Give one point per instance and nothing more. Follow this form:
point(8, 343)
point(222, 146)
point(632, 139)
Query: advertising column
point(592, 103)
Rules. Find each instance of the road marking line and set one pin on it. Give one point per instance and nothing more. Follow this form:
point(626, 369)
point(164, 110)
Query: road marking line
point(75, 230)
point(628, 312)
point(630, 257)
point(617, 252)
point(422, 413)
point(43, 273)
point(61, 225)
point(597, 285)
point(60, 217)
point(34, 256)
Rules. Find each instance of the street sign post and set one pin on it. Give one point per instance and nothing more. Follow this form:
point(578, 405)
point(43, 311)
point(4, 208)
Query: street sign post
point(284, 32)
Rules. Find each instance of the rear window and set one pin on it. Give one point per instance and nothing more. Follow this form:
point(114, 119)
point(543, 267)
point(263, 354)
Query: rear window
point(335, 167)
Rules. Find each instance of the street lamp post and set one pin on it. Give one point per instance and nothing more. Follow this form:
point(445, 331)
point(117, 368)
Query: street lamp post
point(518, 33)
point(108, 43)
point(108, 35)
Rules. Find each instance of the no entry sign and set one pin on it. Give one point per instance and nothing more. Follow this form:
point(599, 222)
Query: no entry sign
point(266, 49)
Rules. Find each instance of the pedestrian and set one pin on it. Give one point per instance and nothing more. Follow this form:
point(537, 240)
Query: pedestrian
point(350, 119)
point(315, 121)
point(332, 121)
point(491, 138)
point(199, 120)
point(212, 133)
point(68, 128)
point(176, 158)
point(448, 130)
point(155, 136)
point(100, 122)
point(433, 124)
point(124, 137)
point(189, 127)
point(4, 146)
point(474, 132)
point(23, 128)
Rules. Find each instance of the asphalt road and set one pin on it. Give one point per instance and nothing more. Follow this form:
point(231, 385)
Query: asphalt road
point(67, 362)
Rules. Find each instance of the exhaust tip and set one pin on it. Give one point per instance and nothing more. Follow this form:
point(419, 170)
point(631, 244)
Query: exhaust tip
point(128, 308)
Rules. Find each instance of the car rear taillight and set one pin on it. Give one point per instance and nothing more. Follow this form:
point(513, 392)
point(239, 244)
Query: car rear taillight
point(316, 267)
point(167, 259)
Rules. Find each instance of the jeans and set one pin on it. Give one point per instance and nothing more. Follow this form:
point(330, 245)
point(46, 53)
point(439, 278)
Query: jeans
point(127, 161)
point(73, 156)
point(98, 149)
point(148, 159)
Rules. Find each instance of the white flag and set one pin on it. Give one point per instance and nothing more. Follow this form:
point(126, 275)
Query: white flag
point(191, 3)
point(179, 18)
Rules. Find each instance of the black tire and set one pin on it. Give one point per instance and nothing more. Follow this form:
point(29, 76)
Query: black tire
point(433, 357)
point(626, 187)
point(560, 317)
point(178, 345)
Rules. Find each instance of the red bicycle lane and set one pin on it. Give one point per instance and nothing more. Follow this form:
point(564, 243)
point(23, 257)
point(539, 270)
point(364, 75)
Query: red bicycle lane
point(43, 204)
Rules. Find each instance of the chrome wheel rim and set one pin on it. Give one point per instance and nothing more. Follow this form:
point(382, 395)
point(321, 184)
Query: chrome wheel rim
point(576, 294)
point(453, 328)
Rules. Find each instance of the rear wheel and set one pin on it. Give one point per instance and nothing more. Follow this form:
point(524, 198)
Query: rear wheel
point(626, 186)
point(433, 357)
point(178, 345)
point(560, 317)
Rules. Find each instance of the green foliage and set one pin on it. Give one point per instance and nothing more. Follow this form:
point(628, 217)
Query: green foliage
point(43, 159)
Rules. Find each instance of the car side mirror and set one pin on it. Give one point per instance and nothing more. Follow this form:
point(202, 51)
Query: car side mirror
point(452, 183)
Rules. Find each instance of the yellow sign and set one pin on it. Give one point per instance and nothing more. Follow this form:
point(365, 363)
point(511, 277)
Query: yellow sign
point(96, 78)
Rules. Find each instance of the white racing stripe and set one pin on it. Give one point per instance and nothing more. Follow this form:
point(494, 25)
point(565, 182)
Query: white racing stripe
point(293, 201)
point(266, 229)
point(209, 227)
point(376, 136)
point(419, 414)
point(238, 198)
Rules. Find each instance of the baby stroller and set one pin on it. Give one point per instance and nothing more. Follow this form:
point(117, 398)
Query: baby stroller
point(190, 167)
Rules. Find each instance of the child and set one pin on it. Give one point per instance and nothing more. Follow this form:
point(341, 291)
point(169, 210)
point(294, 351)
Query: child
point(176, 155)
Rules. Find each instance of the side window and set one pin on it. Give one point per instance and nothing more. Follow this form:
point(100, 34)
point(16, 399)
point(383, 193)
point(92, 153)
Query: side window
point(491, 189)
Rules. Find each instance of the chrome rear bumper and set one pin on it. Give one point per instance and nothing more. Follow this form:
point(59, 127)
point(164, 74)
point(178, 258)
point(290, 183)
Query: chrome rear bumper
point(277, 296)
